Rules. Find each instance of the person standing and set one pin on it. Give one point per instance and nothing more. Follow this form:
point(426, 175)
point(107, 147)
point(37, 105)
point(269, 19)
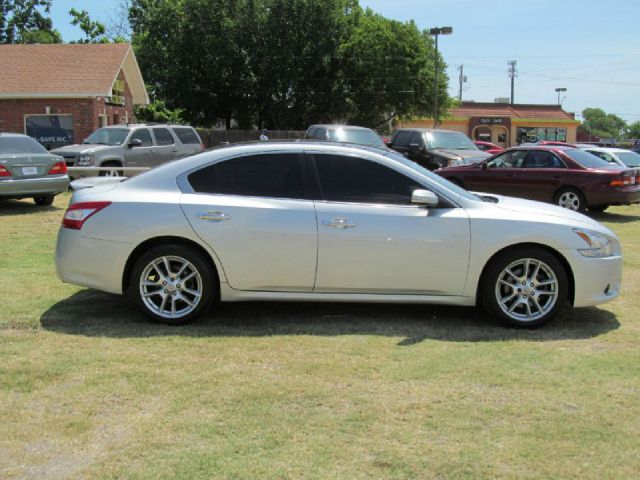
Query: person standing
point(263, 136)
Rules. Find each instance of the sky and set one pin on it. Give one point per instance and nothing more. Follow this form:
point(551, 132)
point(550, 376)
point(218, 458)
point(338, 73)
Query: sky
point(589, 47)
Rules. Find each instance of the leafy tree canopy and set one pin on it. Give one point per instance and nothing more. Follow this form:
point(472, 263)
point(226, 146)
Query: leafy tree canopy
point(27, 21)
point(597, 123)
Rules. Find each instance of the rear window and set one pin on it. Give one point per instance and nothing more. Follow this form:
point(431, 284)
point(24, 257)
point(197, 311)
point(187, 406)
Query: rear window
point(586, 159)
point(186, 135)
point(20, 145)
point(630, 159)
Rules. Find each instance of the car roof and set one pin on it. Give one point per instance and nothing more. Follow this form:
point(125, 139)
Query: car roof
point(337, 126)
point(426, 130)
point(608, 149)
point(133, 125)
point(544, 147)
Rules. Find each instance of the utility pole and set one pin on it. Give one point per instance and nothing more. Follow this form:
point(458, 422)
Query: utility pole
point(512, 73)
point(435, 32)
point(462, 79)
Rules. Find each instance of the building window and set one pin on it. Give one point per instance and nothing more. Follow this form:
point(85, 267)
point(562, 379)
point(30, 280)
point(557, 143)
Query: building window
point(52, 131)
point(535, 134)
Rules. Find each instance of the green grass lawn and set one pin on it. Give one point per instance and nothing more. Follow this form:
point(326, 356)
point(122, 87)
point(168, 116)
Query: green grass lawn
point(90, 389)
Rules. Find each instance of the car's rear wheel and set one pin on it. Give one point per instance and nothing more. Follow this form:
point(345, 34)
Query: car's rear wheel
point(114, 170)
point(572, 199)
point(43, 201)
point(598, 208)
point(173, 284)
point(525, 287)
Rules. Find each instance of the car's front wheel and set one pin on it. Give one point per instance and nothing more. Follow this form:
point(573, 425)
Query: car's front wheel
point(173, 284)
point(525, 287)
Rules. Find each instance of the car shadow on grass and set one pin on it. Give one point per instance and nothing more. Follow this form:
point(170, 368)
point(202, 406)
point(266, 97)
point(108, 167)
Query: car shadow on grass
point(613, 217)
point(97, 314)
point(17, 207)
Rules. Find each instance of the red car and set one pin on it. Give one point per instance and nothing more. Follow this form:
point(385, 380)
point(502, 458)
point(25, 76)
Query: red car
point(488, 147)
point(569, 177)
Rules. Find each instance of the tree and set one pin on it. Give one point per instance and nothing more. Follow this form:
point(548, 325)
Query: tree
point(94, 31)
point(283, 64)
point(27, 21)
point(157, 111)
point(597, 123)
point(634, 130)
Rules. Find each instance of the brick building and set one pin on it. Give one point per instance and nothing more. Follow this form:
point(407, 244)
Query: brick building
point(60, 93)
point(507, 124)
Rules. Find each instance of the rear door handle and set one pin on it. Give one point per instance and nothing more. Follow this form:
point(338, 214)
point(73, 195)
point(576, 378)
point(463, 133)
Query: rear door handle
point(338, 223)
point(214, 216)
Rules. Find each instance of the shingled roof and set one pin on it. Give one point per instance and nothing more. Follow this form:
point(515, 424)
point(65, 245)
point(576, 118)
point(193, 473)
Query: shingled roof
point(477, 109)
point(68, 71)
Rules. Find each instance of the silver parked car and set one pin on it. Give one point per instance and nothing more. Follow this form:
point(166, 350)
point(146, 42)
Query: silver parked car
point(344, 133)
point(317, 221)
point(132, 145)
point(27, 170)
point(617, 156)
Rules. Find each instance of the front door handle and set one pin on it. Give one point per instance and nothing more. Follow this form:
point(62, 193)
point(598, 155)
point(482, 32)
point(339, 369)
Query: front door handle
point(338, 223)
point(214, 216)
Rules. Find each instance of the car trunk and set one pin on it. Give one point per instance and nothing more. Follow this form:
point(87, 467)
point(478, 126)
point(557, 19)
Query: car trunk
point(28, 165)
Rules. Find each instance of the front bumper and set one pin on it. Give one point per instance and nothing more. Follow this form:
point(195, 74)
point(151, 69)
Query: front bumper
point(597, 280)
point(90, 262)
point(15, 187)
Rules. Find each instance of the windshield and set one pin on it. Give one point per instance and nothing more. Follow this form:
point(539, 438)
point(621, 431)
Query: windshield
point(108, 136)
point(20, 145)
point(630, 159)
point(449, 141)
point(432, 176)
point(586, 159)
point(352, 135)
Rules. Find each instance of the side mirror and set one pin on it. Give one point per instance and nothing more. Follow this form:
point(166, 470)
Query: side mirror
point(424, 197)
point(135, 142)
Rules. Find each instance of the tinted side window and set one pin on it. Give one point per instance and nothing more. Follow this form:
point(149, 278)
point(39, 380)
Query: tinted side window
point(186, 135)
point(417, 138)
point(350, 179)
point(310, 133)
point(144, 136)
point(508, 160)
point(321, 134)
point(163, 136)
point(272, 175)
point(402, 139)
point(541, 159)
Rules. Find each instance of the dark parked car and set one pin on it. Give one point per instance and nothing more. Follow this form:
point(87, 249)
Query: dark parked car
point(27, 170)
point(569, 177)
point(435, 148)
point(346, 134)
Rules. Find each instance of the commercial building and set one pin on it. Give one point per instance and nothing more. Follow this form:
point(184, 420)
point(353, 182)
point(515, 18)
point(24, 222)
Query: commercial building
point(505, 124)
point(60, 93)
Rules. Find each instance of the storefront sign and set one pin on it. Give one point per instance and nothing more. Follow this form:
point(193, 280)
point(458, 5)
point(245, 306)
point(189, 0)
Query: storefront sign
point(117, 94)
point(491, 120)
point(50, 130)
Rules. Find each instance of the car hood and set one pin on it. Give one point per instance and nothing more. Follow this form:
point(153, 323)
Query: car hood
point(468, 157)
point(531, 207)
point(80, 149)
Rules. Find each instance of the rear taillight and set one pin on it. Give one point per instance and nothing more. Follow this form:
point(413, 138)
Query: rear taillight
point(58, 169)
point(4, 172)
point(624, 181)
point(78, 213)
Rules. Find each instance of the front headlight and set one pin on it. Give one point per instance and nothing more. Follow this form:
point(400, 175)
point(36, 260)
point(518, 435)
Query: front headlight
point(84, 160)
point(599, 245)
point(455, 162)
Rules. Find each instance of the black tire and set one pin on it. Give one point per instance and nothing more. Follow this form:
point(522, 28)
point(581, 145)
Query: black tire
point(571, 198)
point(114, 172)
point(524, 304)
point(160, 296)
point(44, 201)
point(598, 208)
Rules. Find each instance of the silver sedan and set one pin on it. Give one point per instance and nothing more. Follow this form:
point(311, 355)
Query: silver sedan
point(27, 170)
point(311, 221)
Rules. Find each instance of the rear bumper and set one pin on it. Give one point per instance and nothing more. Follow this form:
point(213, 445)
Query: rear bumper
point(622, 196)
point(29, 187)
point(90, 262)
